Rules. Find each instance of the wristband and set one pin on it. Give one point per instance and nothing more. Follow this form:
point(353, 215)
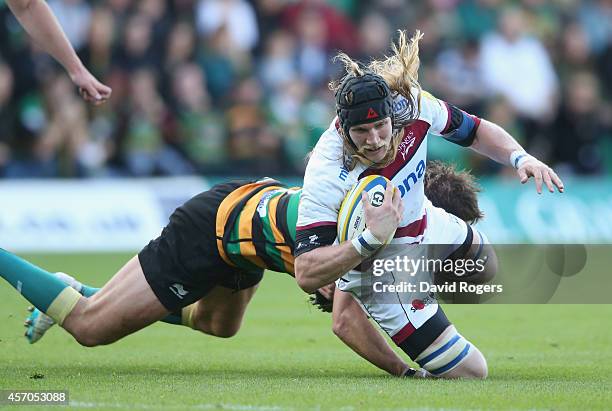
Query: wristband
point(366, 244)
point(518, 157)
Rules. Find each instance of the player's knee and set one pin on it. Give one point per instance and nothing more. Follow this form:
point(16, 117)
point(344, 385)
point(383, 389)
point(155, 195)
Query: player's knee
point(86, 335)
point(224, 332)
point(341, 325)
point(217, 329)
point(453, 357)
point(474, 367)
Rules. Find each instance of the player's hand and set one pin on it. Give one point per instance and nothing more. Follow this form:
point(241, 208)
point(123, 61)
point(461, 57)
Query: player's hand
point(90, 88)
point(384, 219)
point(542, 174)
point(328, 291)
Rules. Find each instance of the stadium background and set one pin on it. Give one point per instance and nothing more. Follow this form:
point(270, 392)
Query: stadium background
point(204, 90)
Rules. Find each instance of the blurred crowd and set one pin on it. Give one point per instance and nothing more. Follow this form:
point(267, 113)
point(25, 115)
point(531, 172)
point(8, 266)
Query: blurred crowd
point(238, 87)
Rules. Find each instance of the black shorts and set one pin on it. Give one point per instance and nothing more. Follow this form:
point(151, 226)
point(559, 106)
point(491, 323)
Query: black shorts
point(183, 264)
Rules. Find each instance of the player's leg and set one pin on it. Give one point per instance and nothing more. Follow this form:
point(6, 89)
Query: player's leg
point(452, 356)
point(351, 325)
point(38, 323)
point(124, 305)
point(132, 304)
point(418, 325)
point(220, 312)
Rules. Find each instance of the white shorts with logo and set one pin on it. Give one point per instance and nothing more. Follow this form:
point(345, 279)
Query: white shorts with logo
point(409, 312)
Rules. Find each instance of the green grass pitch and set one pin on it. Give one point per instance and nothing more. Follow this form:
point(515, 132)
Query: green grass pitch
point(542, 357)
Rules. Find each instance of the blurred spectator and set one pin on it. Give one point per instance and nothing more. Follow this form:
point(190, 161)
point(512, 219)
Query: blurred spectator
point(98, 53)
point(374, 35)
point(199, 130)
point(478, 17)
point(313, 55)
point(595, 16)
point(217, 61)
point(253, 147)
point(75, 18)
point(579, 127)
point(575, 52)
point(7, 115)
point(144, 149)
point(268, 14)
point(604, 69)
point(518, 67)
point(337, 31)
point(137, 50)
point(239, 86)
point(180, 45)
point(237, 15)
point(458, 77)
point(278, 64)
point(66, 131)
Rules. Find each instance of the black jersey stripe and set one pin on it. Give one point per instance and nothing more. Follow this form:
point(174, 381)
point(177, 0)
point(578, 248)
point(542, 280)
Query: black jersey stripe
point(281, 219)
point(259, 241)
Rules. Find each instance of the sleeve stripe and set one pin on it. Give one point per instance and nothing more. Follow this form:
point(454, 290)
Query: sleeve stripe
point(448, 120)
point(317, 224)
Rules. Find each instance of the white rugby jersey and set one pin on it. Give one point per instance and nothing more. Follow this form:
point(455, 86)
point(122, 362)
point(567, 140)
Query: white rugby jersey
point(327, 181)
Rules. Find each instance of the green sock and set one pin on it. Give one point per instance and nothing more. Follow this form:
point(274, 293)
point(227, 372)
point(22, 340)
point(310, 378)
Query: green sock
point(41, 288)
point(87, 291)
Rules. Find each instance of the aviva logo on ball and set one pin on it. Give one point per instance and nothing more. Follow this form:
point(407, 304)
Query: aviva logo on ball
point(351, 218)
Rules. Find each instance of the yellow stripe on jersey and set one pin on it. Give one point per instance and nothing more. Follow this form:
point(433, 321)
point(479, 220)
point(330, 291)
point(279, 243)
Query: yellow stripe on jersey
point(225, 209)
point(247, 248)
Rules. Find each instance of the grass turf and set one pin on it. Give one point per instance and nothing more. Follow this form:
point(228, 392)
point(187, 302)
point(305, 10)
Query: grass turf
point(286, 358)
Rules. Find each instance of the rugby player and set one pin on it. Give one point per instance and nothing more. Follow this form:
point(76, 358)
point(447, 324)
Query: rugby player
point(203, 270)
point(382, 127)
point(38, 20)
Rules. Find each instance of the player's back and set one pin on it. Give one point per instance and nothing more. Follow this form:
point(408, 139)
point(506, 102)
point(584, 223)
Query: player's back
point(256, 226)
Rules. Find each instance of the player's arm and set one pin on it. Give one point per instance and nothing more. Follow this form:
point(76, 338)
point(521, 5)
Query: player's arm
point(317, 263)
point(496, 143)
point(40, 23)
point(488, 139)
point(352, 326)
point(324, 265)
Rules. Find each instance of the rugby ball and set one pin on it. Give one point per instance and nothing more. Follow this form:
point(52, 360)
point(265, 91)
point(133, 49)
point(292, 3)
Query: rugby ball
point(351, 218)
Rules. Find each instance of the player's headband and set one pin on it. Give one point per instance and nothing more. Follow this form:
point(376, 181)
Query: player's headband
point(363, 99)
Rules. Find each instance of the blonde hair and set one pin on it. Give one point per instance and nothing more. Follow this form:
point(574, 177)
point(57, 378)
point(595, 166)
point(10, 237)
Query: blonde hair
point(400, 72)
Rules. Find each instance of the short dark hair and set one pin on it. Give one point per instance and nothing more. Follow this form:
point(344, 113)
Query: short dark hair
point(456, 191)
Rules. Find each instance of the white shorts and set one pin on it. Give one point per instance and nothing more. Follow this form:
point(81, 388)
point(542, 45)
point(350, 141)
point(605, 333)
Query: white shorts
point(412, 320)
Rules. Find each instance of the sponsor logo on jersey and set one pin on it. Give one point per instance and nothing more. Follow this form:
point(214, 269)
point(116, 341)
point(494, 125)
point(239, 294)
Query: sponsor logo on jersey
point(406, 144)
point(343, 173)
point(314, 239)
point(418, 304)
point(412, 178)
point(262, 206)
point(400, 110)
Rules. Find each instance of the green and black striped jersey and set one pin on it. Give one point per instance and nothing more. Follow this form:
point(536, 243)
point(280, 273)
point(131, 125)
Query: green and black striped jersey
point(256, 226)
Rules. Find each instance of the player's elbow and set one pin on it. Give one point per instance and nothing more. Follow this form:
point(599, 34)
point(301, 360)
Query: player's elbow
point(303, 274)
point(305, 282)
